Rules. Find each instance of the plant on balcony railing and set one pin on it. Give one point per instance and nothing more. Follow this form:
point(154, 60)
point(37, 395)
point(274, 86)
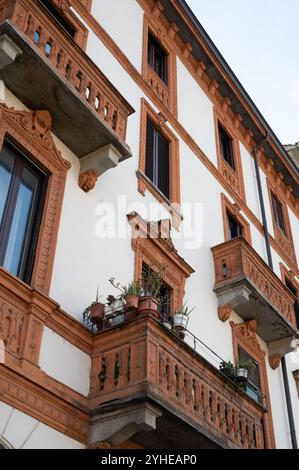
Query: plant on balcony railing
point(95, 312)
point(239, 374)
point(181, 319)
point(130, 293)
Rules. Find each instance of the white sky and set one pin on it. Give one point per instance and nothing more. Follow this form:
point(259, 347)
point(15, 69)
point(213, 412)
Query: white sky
point(260, 41)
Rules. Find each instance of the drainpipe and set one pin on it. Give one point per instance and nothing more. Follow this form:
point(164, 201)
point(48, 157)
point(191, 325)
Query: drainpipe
point(261, 198)
point(270, 263)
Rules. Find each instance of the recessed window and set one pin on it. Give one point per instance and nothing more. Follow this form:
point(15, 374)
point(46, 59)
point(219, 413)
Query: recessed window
point(235, 229)
point(278, 214)
point(164, 295)
point(157, 58)
point(22, 189)
point(157, 159)
point(226, 147)
point(295, 293)
point(58, 17)
point(253, 373)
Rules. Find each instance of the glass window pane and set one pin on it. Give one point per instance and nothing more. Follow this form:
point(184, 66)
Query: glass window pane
point(21, 218)
point(6, 167)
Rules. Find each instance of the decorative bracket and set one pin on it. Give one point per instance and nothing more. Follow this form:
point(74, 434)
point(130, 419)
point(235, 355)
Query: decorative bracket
point(96, 164)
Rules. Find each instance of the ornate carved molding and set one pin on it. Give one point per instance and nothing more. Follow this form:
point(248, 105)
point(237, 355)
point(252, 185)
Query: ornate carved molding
point(32, 132)
point(274, 361)
point(153, 245)
point(244, 336)
point(88, 180)
point(225, 312)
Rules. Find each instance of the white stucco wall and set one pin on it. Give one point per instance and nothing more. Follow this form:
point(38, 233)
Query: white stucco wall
point(21, 431)
point(65, 362)
point(122, 18)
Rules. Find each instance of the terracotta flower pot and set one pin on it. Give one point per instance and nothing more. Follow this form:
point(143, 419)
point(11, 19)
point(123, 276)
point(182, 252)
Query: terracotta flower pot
point(148, 305)
point(132, 300)
point(97, 313)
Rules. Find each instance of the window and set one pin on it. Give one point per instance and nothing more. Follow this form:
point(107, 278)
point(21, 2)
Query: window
point(278, 214)
point(58, 17)
point(164, 295)
point(295, 293)
point(234, 224)
point(226, 147)
point(22, 189)
point(235, 229)
point(253, 374)
point(157, 159)
point(157, 58)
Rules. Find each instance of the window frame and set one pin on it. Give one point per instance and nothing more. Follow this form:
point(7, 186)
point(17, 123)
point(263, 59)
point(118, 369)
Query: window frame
point(154, 45)
point(172, 204)
point(167, 93)
point(22, 161)
point(155, 157)
point(289, 276)
point(244, 337)
point(284, 239)
point(153, 248)
point(80, 31)
point(234, 211)
point(233, 176)
point(31, 133)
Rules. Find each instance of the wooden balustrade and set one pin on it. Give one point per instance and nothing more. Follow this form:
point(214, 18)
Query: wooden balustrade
point(69, 60)
point(142, 358)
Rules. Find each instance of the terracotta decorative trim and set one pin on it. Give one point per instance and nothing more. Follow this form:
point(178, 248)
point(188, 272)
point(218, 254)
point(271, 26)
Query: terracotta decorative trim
point(33, 399)
point(173, 204)
point(32, 133)
point(166, 93)
point(233, 209)
point(244, 336)
point(184, 135)
point(86, 4)
point(152, 245)
point(88, 180)
point(296, 377)
point(81, 32)
point(285, 241)
point(274, 361)
point(233, 177)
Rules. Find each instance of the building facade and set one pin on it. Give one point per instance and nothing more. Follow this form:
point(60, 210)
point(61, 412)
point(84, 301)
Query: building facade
point(126, 147)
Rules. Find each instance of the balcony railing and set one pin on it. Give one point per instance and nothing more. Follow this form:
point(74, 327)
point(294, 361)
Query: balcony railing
point(245, 283)
point(33, 26)
point(142, 359)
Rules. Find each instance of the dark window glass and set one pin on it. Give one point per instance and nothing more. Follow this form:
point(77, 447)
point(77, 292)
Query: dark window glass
point(235, 229)
point(253, 375)
point(21, 189)
point(58, 17)
point(278, 214)
point(157, 58)
point(226, 147)
point(157, 159)
point(294, 291)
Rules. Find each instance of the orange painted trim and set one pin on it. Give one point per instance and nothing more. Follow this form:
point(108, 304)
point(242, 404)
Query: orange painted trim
point(157, 251)
point(234, 210)
point(31, 133)
point(166, 93)
point(81, 32)
point(247, 140)
point(285, 241)
point(148, 113)
point(233, 177)
point(244, 336)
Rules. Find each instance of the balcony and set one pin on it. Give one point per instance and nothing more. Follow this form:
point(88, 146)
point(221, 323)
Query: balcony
point(246, 284)
point(146, 382)
point(46, 69)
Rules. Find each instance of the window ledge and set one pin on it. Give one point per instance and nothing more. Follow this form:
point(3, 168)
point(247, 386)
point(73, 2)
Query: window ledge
point(144, 183)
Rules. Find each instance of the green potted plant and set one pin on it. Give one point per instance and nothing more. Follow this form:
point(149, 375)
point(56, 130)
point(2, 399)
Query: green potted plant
point(242, 370)
point(181, 318)
point(95, 312)
point(151, 286)
point(130, 293)
point(228, 369)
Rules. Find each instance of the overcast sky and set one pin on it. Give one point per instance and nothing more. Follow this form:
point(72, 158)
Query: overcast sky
point(260, 41)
